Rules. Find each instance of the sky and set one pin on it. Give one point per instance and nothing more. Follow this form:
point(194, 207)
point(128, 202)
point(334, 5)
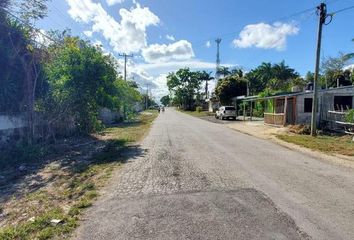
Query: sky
point(165, 35)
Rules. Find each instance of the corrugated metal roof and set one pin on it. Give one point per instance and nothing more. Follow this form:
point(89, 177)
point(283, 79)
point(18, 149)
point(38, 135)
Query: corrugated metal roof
point(292, 94)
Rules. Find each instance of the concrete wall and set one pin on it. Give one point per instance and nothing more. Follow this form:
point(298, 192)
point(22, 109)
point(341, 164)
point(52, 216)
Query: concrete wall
point(325, 103)
point(213, 106)
point(108, 117)
point(10, 126)
point(303, 117)
point(10, 122)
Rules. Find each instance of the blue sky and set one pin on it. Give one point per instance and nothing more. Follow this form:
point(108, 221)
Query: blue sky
point(165, 35)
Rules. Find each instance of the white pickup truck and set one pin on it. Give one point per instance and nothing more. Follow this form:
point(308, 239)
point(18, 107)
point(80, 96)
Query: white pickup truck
point(226, 112)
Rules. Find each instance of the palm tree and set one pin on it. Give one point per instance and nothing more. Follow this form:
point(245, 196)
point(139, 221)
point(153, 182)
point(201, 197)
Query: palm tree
point(282, 75)
point(225, 71)
point(237, 72)
point(349, 55)
point(206, 77)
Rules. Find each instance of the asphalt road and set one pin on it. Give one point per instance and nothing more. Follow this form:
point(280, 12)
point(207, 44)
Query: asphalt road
point(201, 180)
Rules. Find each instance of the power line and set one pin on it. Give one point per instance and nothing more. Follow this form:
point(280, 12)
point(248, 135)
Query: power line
point(31, 27)
point(274, 20)
point(30, 40)
point(201, 43)
point(65, 18)
point(342, 10)
point(126, 56)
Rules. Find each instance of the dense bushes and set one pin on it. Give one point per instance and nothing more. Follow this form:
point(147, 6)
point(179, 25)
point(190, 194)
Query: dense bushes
point(198, 109)
point(64, 81)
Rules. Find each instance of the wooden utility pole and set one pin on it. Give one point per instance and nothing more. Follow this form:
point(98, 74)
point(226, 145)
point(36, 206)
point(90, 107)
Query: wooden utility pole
point(125, 63)
point(322, 12)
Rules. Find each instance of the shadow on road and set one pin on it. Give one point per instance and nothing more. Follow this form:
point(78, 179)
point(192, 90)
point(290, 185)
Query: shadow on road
point(71, 156)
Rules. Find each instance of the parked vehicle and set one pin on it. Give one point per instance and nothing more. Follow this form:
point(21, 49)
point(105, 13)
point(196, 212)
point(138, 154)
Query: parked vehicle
point(226, 112)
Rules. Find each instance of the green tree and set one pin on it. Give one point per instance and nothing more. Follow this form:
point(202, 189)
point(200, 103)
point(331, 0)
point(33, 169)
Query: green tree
point(282, 78)
point(230, 87)
point(276, 77)
point(224, 71)
point(148, 101)
point(332, 69)
point(125, 97)
point(82, 79)
point(237, 71)
point(14, 66)
point(27, 10)
point(165, 100)
point(310, 76)
point(206, 76)
point(348, 56)
point(259, 78)
point(184, 84)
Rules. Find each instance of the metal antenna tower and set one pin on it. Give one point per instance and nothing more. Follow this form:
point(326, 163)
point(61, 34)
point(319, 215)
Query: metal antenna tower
point(217, 74)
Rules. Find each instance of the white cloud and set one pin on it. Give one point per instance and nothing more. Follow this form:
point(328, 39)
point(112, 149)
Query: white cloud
point(170, 37)
point(266, 36)
point(128, 35)
point(98, 43)
point(161, 86)
point(113, 2)
point(180, 50)
point(155, 74)
point(40, 37)
point(134, 72)
point(349, 67)
point(158, 72)
point(88, 33)
point(208, 44)
point(194, 64)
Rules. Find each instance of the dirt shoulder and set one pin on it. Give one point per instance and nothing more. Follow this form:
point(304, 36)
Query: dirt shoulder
point(277, 135)
point(45, 199)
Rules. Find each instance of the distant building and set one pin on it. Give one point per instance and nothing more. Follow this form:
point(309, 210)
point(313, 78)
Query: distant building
point(296, 107)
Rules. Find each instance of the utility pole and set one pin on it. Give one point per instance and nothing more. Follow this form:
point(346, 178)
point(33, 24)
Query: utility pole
point(322, 13)
point(125, 63)
point(217, 74)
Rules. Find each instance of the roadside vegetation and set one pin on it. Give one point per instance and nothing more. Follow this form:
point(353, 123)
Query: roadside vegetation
point(54, 192)
point(197, 113)
point(324, 143)
point(56, 84)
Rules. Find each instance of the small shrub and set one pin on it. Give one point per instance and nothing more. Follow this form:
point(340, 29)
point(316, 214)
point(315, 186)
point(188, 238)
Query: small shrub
point(350, 116)
point(199, 109)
